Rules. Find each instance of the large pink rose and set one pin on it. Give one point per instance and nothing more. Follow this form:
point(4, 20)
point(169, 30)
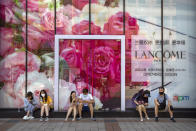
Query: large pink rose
point(7, 14)
point(115, 25)
point(62, 22)
point(83, 28)
point(71, 56)
point(36, 37)
point(102, 61)
point(6, 46)
point(13, 66)
point(81, 3)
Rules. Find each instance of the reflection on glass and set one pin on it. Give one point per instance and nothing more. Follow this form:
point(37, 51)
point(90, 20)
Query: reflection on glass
point(92, 64)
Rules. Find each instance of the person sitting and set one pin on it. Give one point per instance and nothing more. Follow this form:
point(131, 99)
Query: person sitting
point(73, 106)
point(29, 106)
point(160, 104)
point(141, 101)
point(86, 102)
point(46, 104)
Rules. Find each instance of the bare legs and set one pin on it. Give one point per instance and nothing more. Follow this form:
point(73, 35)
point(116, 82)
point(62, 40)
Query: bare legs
point(46, 109)
point(157, 110)
point(80, 109)
point(69, 112)
point(141, 108)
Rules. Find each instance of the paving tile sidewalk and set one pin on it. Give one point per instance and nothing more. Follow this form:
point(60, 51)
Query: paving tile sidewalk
point(101, 124)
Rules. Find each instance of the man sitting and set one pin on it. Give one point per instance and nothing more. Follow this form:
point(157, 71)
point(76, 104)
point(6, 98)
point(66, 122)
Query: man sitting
point(86, 102)
point(160, 104)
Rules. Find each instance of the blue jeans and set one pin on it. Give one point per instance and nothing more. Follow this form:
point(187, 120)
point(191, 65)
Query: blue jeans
point(29, 108)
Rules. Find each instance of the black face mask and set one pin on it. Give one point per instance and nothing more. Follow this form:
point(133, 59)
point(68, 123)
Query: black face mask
point(161, 93)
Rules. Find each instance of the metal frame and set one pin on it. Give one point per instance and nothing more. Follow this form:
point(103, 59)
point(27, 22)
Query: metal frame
point(85, 37)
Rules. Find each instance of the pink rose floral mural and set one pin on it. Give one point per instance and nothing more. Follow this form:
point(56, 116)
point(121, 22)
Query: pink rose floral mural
point(92, 64)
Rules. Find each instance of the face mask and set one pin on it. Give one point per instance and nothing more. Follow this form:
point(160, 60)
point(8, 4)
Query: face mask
point(161, 93)
point(43, 95)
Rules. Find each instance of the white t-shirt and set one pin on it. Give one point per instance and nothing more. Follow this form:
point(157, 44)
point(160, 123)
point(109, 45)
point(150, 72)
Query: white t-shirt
point(87, 97)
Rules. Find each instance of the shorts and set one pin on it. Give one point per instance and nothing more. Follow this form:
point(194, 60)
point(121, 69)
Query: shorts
point(85, 108)
point(162, 106)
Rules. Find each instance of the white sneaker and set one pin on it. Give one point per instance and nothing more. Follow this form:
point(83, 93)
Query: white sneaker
point(31, 117)
point(25, 118)
point(147, 118)
point(73, 119)
point(141, 119)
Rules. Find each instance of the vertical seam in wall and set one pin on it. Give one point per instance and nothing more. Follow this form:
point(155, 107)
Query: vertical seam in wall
point(124, 17)
point(89, 17)
point(26, 51)
point(162, 66)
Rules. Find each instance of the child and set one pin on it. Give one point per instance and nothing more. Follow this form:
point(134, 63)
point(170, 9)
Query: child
point(46, 104)
point(29, 106)
point(73, 105)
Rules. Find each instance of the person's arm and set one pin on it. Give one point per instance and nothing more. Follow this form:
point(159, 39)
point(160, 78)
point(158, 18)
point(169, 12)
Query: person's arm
point(34, 102)
point(146, 101)
point(156, 101)
point(169, 101)
point(135, 100)
point(41, 101)
point(26, 103)
point(91, 101)
point(80, 99)
point(50, 101)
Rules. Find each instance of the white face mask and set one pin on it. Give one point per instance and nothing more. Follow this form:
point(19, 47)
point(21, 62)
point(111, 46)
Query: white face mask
point(43, 95)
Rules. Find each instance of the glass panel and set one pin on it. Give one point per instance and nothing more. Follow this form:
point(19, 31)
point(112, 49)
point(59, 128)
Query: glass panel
point(72, 17)
point(179, 49)
point(12, 53)
point(91, 64)
point(107, 15)
point(107, 19)
point(40, 47)
point(143, 48)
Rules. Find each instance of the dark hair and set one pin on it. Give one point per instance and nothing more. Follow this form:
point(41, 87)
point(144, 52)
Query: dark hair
point(71, 96)
point(46, 96)
point(29, 94)
point(85, 90)
point(146, 92)
point(162, 88)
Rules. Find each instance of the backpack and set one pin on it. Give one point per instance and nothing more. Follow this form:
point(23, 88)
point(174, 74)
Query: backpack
point(135, 96)
point(163, 104)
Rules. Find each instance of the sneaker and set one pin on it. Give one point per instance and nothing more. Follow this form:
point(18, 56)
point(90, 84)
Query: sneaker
point(141, 119)
point(41, 119)
point(93, 119)
point(172, 119)
point(31, 117)
point(25, 118)
point(156, 119)
point(79, 118)
point(147, 118)
point(66, 119)
point(46, 119)
point(73, 119)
